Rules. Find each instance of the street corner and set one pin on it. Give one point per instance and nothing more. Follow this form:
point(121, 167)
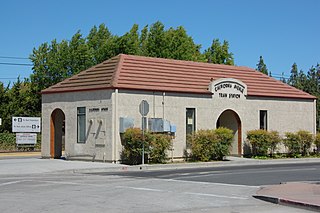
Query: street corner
point(304, 195)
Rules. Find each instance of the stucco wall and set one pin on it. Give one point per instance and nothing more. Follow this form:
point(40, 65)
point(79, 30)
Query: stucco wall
point(283, 115)
point(98, 123)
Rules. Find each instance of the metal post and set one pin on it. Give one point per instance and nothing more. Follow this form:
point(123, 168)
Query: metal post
point(143, 140)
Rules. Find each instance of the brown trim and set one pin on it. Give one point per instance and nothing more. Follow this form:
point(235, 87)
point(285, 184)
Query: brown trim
point(52, 134)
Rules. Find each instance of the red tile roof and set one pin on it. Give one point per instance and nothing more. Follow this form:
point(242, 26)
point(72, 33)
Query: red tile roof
point(168, 75)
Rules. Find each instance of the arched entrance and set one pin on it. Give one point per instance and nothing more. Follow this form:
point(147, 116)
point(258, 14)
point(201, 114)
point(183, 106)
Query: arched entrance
point(57, 132)
point(231, 120)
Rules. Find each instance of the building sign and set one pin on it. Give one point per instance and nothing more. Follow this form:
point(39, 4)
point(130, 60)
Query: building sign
point(228, 88)
point(26, 138)
point(26, 124)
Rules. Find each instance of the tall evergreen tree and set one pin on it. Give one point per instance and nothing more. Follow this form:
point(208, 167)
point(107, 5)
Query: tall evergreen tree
point(293, 80)
point(261, 66)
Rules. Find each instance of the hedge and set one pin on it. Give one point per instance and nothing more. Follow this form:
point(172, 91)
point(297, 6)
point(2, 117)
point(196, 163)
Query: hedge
point(209, 145)
point(155, 147)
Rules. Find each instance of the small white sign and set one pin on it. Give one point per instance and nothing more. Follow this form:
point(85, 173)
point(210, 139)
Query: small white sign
point(26, 124)
point(26, 138)
point(0, 121)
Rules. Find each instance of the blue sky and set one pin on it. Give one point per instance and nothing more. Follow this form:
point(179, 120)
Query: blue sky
point(282, 31)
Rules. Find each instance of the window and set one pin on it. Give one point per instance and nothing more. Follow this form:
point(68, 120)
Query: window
point(190, 120)
point(81, 124)
point(263, 119)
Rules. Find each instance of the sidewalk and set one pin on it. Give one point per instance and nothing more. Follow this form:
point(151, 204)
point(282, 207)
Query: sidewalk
point(297, 194)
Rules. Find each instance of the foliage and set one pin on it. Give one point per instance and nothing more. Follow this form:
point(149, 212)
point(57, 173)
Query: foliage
point(263, 142)
point(259, 142)
point(262, 67)
point(219, 53)
point(7, 141)
point(317, 142)
point(209, 145)
point(158, 147)
point(298, 143)
point(306, 140)
point(155, 146)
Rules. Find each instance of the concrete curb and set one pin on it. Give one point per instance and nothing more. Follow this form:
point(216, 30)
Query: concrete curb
point(288, 202)
point(216, 164)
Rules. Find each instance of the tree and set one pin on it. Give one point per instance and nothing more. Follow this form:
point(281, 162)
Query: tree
point(294, 75)
point(101, 43)
point(261, 66)
point(219, 54)
point(129, 43)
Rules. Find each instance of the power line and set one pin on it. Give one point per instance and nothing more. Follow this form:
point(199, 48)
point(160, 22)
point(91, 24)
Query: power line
point(15, 64)
point(13, 57)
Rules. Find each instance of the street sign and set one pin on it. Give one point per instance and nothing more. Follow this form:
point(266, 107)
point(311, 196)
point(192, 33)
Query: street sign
point(26, 124)
point(26, 138)
point(144, 108)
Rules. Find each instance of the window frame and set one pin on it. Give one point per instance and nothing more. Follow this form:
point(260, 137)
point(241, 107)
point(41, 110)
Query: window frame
point(263, 119)
point(81, 115)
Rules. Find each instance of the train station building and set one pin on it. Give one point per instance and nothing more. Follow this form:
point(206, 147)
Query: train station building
point(85, 114)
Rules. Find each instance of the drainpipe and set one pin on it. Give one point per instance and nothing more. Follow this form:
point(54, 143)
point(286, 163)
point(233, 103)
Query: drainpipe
point(163, 95)
point(115, 126)
point(154, 105)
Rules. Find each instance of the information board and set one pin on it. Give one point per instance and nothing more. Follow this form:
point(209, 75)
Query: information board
point(26, 124)
point(26, 138)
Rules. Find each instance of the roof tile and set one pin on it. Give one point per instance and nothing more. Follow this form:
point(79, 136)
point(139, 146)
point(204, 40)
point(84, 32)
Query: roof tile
point(168, 75)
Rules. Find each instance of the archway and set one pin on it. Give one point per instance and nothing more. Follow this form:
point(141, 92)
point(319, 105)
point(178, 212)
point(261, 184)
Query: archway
point(57, 132)
point(231, 120)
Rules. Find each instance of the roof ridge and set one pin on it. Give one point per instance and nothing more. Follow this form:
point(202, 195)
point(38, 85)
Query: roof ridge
point(116, 74)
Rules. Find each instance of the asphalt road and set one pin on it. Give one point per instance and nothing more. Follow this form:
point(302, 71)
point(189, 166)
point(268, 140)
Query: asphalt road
point(253, 175)
point(223, 189)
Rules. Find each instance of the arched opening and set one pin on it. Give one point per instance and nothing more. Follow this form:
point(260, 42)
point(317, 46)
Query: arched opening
point(231, 120)
point(57, 133)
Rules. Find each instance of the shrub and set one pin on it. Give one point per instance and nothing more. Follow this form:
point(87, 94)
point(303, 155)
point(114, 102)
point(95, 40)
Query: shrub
point(211, 144)
point(263, 142)
point(223, 143)
point(317, 142)
point(7, 141)
point(298, 143)
point(259, 141)
point(274, 140)
point(292, 143)
point(306, 140)
point(158, 147)
point(155, 147)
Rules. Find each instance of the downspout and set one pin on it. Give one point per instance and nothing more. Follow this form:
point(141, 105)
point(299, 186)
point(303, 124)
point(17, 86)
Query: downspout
point(315, 116)
point(163, 95)
point(154, 105)
point(115, 126)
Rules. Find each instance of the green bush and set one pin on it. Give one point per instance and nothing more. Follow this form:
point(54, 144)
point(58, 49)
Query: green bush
point(7, 141)
point(158, 147)
point(263, 142)
point(306, 140)
point(298, 143)
point(155, 147)
point(317, 142)
point(259, 142)
point(274, 140)
point(209, 145)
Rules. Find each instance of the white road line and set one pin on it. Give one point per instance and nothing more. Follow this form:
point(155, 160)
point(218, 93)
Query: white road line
point(12, 182)
point(139, 188)
point(210, 183)
point(214, 195)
